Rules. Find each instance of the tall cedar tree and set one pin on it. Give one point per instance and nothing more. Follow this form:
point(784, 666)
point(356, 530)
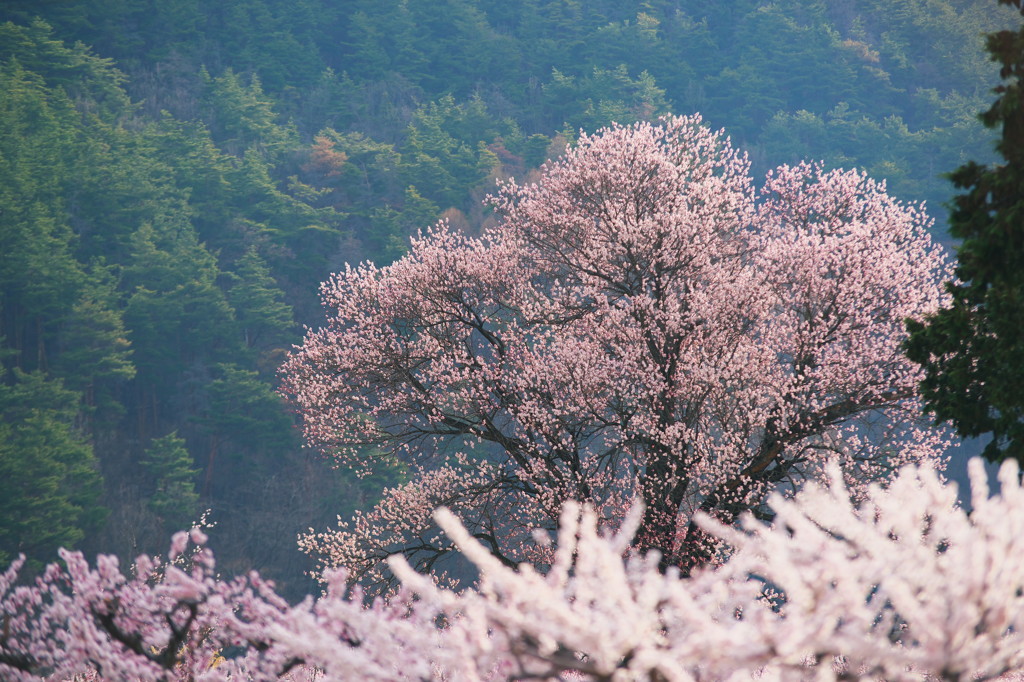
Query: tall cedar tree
point(973, 351)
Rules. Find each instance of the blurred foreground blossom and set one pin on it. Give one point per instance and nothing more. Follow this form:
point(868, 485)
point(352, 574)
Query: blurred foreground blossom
point(904, 585)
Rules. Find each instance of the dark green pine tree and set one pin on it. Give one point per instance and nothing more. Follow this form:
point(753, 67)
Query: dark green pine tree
point(973, 351)
point(174, 301)
point(247, 422)
point(242, 117)
point(169, 464)
point(263, 318)
point(94, 352)
point(49, 480)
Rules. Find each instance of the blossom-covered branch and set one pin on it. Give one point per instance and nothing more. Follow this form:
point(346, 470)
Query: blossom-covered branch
point(901, 586)
point(905, 586)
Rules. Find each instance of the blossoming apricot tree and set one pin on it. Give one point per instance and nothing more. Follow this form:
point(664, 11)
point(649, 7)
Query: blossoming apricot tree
point(639, 323)
point(904, 586)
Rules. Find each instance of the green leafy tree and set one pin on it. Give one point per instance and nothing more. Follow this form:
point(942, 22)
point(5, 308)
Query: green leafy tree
point(780, 64)
point(441, 163)
point(242, 117)
point(973, 351)
point(120, 178)
point(356, 168)
point(39, 276)
point(87, 79)
point(170, 467)
point(306, 236)
point(471, 47)
point(245, 410)
point(49, 480)
point(94, 351)
point(354, 174)
point(602, 97)
point(262, 316)
point(202, 171)
point(249, 431)
point(390, 227)
point(176, 313)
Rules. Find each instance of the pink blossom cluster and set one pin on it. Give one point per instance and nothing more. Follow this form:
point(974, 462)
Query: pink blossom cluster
point(905, 585)
point(163, 622)
point(638, 322)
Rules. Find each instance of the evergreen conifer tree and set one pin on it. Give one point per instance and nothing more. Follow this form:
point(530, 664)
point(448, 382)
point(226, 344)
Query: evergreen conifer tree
point(169, 464)
point(973, 350)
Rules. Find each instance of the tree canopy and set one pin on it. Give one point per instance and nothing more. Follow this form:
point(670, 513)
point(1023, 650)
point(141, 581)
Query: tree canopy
point(635, 324)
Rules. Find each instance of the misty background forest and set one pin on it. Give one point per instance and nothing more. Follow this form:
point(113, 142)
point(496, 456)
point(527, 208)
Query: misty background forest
point(177, 177)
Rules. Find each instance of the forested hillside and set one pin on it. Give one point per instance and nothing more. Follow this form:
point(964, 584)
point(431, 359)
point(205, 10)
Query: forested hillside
point(177, 178)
